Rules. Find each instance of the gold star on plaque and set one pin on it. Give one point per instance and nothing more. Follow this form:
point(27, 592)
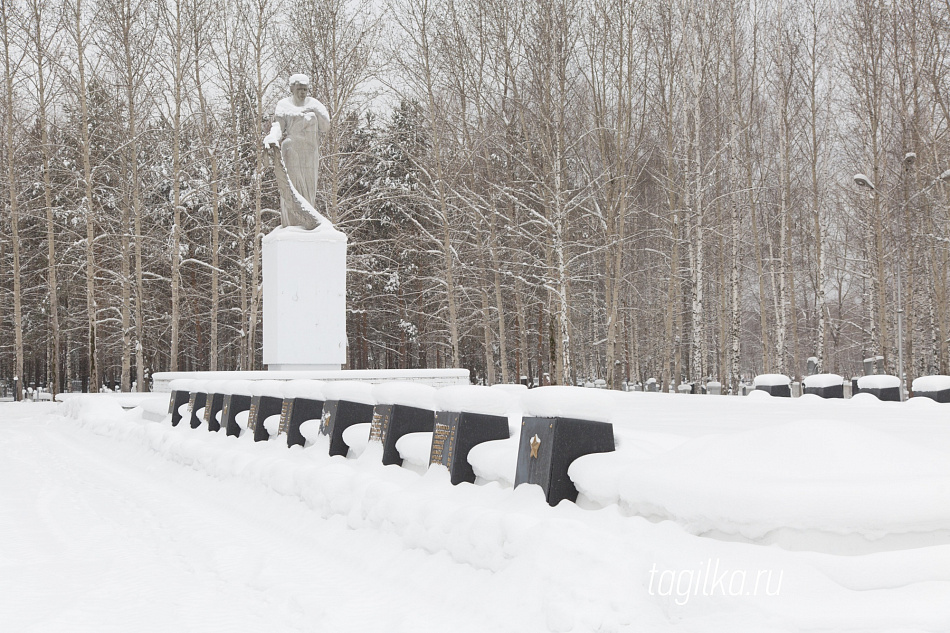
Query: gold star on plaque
point(535, 444)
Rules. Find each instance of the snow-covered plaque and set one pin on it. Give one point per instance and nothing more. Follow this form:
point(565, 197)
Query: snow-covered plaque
point(262, 407)
point(549, 445)
point(196, 402)
point(177, 399)
point(233, 404)
point(392, 421)
point(339, 415)
point(455, 434)
point(297, 411)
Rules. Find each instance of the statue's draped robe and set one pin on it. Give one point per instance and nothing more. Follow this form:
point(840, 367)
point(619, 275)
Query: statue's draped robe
point(301, 129)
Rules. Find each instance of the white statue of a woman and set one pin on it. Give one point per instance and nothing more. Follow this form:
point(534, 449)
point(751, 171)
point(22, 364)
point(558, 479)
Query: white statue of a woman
point(299, 123)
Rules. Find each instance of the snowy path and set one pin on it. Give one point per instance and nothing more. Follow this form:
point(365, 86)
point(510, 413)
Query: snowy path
point(130, 542)
point(112, 523)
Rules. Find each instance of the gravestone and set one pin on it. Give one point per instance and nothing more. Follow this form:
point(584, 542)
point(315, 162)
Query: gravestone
point(197, 401)
point(293, 413)
point(455, 434)
point(882, 391)
point(262, 407)
point(869, 369)
point(213, 405)
point(392, 421)
point(339, 415)
point(825, 385)
point(936, 388)
point(178, 398)
point(547, 448)
point(234, 403)
point(776, 385)
point(812, 364)
point(714, 388)
point(651, 385)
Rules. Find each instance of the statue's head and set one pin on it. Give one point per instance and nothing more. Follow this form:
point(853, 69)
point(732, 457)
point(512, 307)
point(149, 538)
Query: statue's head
point(299, 85)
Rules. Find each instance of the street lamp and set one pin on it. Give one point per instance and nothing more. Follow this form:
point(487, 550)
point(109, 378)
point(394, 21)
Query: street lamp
point(864, 182)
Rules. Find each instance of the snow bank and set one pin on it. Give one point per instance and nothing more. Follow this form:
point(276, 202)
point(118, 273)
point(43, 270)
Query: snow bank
point(310, 389)
point(350, 390)
point(820, 381)
point(879, 381)
point(771, 380)
point(824, 476)
point(479, 399)
point(270, 388)
point(596, 405)
point(930, 384)
point(406, 393)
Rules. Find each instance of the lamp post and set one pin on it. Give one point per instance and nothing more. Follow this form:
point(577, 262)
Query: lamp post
point(865, 183)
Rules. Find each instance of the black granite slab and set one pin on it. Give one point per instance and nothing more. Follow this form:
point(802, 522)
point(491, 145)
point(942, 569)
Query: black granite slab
point(455, 434)
point(177, 399)
point(293, 413)
point(233, 404)
point(262, 407)
point(213, 405)
point(196, 402)
point(547, 448)
point(392, 421)
point(339, 415)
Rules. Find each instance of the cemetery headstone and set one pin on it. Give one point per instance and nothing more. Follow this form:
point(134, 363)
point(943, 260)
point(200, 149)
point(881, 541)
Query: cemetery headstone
point(339, 415)
point(549, 445)
point(234, 403)
point(392, 421)
point(455, 434)
point(296, 411)
point(883, 387)
point(776, 385)
point(933, 387)
point(714, 388)
point(178, 398)
point(262, 407)
point(824, 385)
point(196, 402)
point(812, 365)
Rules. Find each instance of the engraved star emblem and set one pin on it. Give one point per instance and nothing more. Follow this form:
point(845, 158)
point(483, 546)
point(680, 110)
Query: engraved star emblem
point(535, 444)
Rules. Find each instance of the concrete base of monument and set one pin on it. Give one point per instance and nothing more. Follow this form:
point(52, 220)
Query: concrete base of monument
point(438, 378)
point(304, 298)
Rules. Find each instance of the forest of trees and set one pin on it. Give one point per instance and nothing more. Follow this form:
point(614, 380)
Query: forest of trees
point(616, 189)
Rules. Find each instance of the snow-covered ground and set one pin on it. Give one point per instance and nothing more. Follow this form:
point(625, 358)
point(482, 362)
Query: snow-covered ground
point(714, 514)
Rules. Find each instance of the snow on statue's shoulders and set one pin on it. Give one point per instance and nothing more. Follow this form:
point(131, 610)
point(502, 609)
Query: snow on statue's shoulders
point(771, 380)
point(819, 381)
point(878, 381)
point(408, 394)
point(286, 107)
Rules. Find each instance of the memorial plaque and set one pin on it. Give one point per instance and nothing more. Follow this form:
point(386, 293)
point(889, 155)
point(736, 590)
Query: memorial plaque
point(177, 399)
point(547, 448)
point(454, 435)
point(262, 407)
point(233, 404)
point(295, 412)
point(196, 402)
point(339, 415)
point(213, 405)
point(392, 421)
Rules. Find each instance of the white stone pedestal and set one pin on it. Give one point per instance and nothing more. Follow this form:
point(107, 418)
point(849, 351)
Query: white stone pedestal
point(304, 299)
